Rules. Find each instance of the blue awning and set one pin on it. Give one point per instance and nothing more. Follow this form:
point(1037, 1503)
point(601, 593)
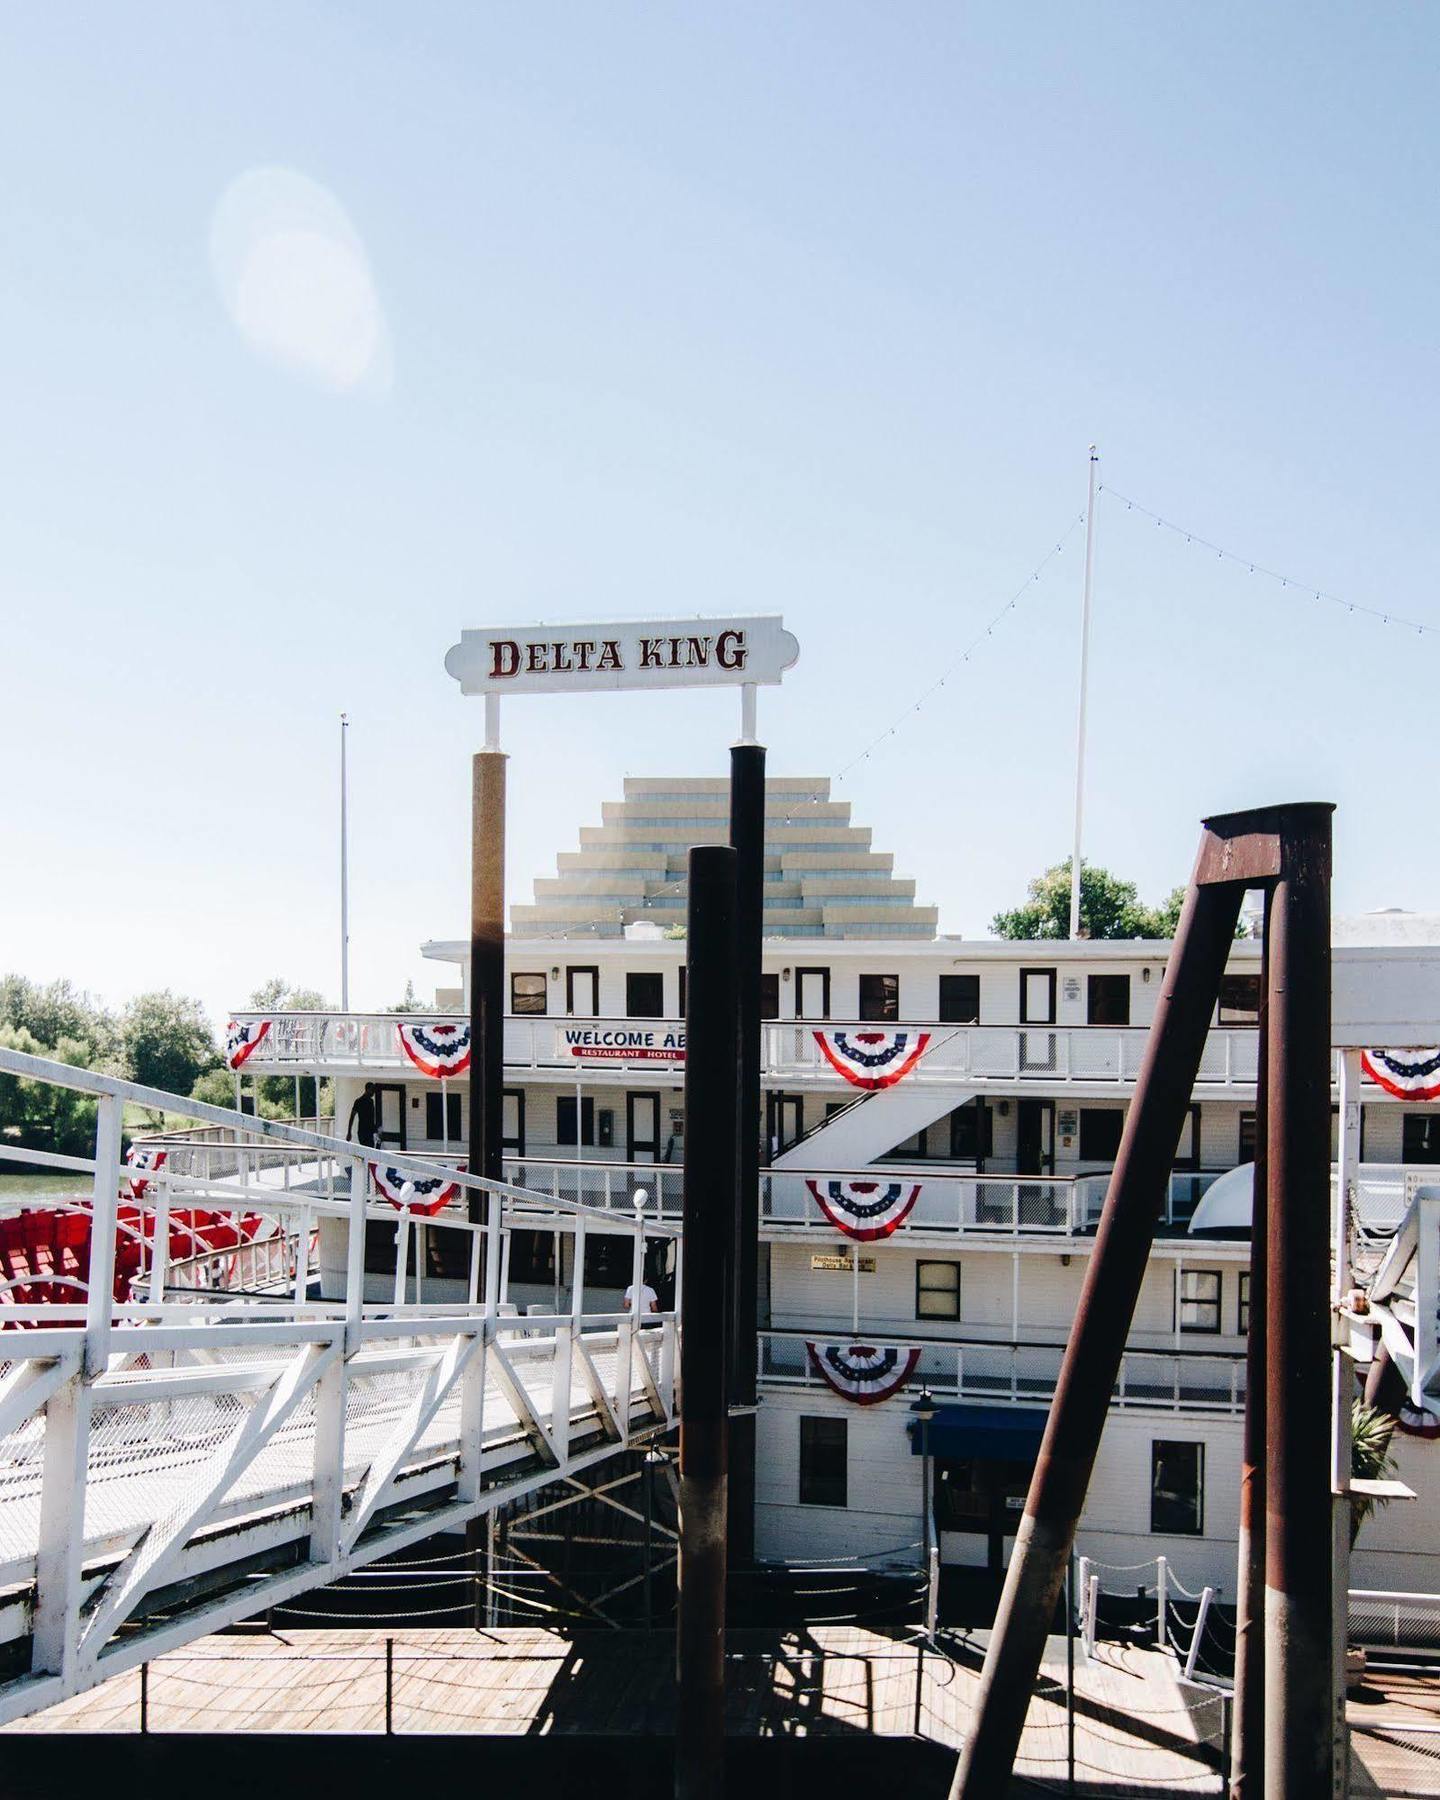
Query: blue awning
point(996, 1433)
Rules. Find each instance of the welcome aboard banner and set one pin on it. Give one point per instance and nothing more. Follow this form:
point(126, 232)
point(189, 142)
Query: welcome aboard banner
point(621, 1043)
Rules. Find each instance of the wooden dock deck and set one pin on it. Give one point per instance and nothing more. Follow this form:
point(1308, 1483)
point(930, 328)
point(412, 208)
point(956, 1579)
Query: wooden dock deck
point(1139, 1729)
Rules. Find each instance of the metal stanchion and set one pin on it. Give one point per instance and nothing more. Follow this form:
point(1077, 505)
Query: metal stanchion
point(709, 1205)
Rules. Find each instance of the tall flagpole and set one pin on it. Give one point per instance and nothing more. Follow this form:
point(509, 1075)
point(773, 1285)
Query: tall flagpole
point(1084, 682)
point(344, 871)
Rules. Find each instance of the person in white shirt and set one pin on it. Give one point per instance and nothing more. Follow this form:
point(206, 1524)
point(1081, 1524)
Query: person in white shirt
point(649, 1299)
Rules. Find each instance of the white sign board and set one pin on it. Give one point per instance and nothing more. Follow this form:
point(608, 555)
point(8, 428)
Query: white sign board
point(645, 653)
point(621, 1043)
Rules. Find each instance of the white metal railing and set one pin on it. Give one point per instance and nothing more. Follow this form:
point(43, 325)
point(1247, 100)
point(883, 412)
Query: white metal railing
point(1382, 1619)
point(148, 1442)
point(301, 1041)
point(790, 1048)
point(972, 1369)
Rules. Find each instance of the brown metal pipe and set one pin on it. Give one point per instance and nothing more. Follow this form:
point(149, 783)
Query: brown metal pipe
point(1247, 1731)
point(487, 968)
point(1102, 1323)
point(487, 1023)
point(1299, 1598)
point(711, 1093)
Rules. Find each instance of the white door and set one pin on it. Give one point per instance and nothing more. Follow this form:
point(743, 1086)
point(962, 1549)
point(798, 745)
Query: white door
point(812, 993)
point(582, 993)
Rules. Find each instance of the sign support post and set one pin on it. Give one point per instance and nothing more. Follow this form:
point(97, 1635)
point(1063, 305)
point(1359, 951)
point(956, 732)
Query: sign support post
point(747, 839)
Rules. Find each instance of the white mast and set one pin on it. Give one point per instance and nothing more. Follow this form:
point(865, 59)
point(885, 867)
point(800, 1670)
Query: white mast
point(1084, 679)
point(344, 873)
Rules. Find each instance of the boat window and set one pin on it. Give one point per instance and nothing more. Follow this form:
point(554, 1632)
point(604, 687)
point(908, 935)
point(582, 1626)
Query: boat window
point(959, 999)
point(1239, 1000)
point(442, 1121)
point(880, 998)
point(645, 995)
point(770, 996)
point(565, 1120)
point(527, 993)
point(937, 1290)
point(1100, 1129)
point(1242, 1321)
point(824, 1462)
point(1177, 1487)
point(1420, 1138)
point(1109, 1000)
point(1200, 1300)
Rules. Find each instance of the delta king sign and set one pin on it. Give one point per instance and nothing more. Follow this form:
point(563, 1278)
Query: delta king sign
point(645, 653)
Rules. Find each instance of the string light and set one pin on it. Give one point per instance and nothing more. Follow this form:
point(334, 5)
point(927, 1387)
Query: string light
point(1286, 581)
point(970, 648)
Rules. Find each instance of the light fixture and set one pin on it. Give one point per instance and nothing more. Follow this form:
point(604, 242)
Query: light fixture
point(924, 1408)
point(1145, 973)
point(555, 974)
point(784, 974)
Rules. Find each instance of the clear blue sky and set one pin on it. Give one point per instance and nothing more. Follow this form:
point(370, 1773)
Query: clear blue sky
point(809, 308)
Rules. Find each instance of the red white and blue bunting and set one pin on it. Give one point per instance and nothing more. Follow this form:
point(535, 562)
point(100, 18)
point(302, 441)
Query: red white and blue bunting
point(427, 1193)
point(865, 1209)
point(873, 1059)
point(140, 1158)
point(241, 1041)
point(1408, 1074)
point(864, 1373)
point(438, 1047)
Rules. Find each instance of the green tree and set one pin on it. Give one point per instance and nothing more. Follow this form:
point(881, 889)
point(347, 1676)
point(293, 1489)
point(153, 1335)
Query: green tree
point(56, 1011)
point(277, 995)
point(1109, 907)
point(276, 1093)
point(409, 1004)
point(35, 1115)
point(168, 1041)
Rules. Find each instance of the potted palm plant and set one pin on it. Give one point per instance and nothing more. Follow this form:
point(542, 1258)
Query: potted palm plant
point(1370, 1460)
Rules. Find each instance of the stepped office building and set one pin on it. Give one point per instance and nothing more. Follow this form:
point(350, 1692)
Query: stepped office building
point(941, 1116)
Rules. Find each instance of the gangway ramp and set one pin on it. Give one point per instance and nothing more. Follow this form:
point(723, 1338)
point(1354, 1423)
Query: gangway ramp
point(181, 1459)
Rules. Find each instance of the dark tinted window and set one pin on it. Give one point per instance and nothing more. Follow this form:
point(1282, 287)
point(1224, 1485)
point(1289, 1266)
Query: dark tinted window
point(1239, 1000)
point(645, 996)
point(970, 1132)
point(880, 998)
point(769, 996)
point(565, 1120)
point(1420, 1138)
point(1109, 1000)
point(1177, 1487)
point(823, 1462)
point(442, 1124)
point(959, 999)
point(1100, 1129)
point(1247, 1137)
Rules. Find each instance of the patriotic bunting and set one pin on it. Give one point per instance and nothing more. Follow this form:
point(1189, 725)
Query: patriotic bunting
point(865, 1209)
point(864, 1373)
point(141, 1158)
point(438, 1048)
point(427, 1194)
point(1408, 1074)
point(873, 1059)
point(241, 1040)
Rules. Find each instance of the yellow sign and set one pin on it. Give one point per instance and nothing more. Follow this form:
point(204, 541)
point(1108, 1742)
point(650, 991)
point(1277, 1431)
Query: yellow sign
point(867, 1263)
